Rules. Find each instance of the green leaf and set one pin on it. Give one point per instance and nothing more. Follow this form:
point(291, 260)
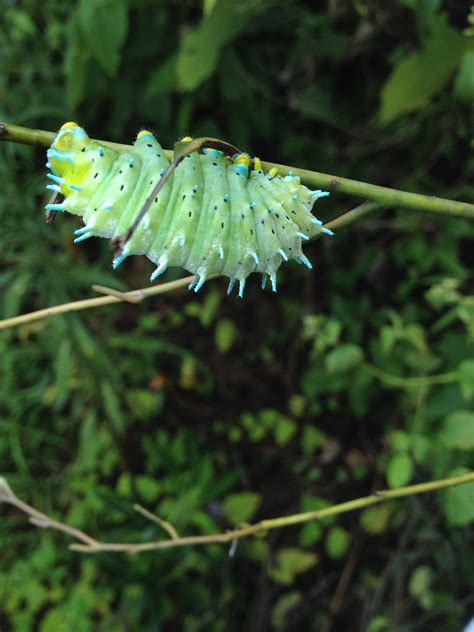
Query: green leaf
point(148, 488)
point(199, 52)
point(284, 605)
point(104, 27)
point(344, 358)
point(399, 470)
point(337, 542)
point(466, 313)
point(142, 402)
point(225, 335)
point(458, 430)
point(465, 375)
point(374, 520)
point(464, 82)
point(458, 505)
point(419, 586)
point(164, 78)
point(312, 439)
point(420, 76)
point(291, 562)
point(241, 507)
point(285, 428)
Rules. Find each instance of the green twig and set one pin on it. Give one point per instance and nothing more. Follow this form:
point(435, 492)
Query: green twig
point(397, 381)
point(383, 195)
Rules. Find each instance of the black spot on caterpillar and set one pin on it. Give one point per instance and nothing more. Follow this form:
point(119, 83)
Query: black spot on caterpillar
point(187, 220)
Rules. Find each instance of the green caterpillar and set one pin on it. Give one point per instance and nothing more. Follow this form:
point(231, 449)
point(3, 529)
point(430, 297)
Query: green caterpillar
point(213, 215)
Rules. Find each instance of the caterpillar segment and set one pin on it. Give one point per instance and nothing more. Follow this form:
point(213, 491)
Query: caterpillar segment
point(215, 215)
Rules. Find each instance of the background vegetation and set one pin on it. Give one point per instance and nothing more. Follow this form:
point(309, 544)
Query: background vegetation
point(210, 410)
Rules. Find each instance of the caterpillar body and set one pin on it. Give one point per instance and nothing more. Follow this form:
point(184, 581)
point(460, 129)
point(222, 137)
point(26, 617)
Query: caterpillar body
point(214, 215)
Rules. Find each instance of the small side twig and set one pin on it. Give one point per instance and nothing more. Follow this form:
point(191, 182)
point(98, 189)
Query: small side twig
point(167, 526)
point(135, 296)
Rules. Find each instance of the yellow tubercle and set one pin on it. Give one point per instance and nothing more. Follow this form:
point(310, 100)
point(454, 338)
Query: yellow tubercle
point(257, 164)
point(144, 132)
point(187, 139)
point(273, 172)
point(69, 124)
point(242, 159)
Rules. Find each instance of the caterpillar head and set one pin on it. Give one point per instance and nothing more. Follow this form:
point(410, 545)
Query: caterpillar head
point(66, 157)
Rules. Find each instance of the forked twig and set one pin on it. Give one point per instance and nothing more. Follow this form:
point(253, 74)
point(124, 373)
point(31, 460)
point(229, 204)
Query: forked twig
point(87, 544)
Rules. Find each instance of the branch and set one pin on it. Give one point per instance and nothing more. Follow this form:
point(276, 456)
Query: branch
point(112, 297)
point(137, 296)
point(91, 545)
point(328, 182)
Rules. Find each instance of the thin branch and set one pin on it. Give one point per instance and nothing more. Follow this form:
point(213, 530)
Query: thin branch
point(399, 381)
point(328, 182)
point(114, 296)
point(87, 303)
point(39, 519)
point(91, 545)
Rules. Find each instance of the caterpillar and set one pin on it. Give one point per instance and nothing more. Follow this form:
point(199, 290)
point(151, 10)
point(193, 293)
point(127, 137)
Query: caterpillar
point(214, 215)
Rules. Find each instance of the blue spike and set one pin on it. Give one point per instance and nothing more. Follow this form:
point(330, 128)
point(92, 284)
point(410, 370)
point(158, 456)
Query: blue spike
point(302, 235)
point(107, 207)
point(294, 197)
point(241, 287)
point(253, 205)
point(273, 278)
point(81, 231)
point(255, 256)
point(327, 231)
point(202, 280)
point(75, 187)
point(159, 270)
point(55, 207)
point(304, 259)
point(221, 252)
point(83, 237)
point(314, 220)
point(48, 164)
point(230, 287)
point(55, 178)
point(319, 194)
point(194, 282)
point(283, 254)
point(270, 210)
point(162, 171)
point(264, 281)
point(118, 260)
point(101, 152)
point(53, 187)
point(226, 197)
point(131, 162)
point(290, 173)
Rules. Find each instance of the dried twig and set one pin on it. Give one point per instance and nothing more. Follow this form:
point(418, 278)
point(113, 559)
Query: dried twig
point(87, 544)
point(138, 295)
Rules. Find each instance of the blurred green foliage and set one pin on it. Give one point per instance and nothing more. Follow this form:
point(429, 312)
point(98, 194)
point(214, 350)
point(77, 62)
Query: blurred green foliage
point(209, 410)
